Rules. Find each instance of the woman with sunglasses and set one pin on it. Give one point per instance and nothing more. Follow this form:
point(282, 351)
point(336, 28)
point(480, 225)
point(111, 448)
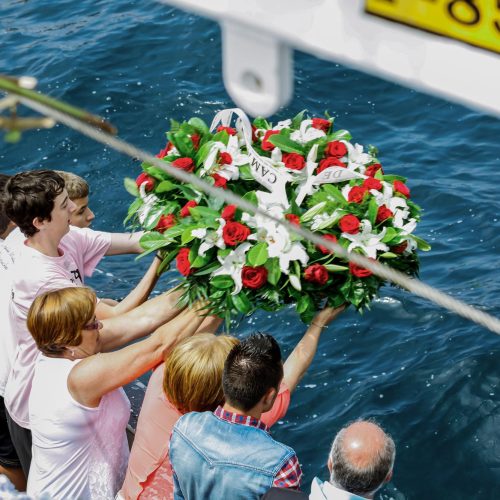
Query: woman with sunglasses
point(78, 409)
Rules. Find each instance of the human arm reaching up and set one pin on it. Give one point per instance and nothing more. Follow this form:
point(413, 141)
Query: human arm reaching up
point(125, 243)
point(99, 374)
point(301, 357)
point(135, 298)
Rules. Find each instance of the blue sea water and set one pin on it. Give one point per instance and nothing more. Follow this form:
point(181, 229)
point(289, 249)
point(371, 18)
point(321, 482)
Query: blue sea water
point(429, 377)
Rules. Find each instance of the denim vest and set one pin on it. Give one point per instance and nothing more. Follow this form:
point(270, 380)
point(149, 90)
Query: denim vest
point(213, 458)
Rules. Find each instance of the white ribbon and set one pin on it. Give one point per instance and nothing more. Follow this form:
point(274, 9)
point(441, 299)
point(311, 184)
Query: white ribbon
point(261, 168)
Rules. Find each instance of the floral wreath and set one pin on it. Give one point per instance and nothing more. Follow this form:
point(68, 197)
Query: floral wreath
point(300, 169)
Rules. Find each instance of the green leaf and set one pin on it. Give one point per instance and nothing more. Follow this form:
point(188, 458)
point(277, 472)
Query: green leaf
point(273, 270)
point(335, 193)
point(372, 211)
point(187, 235)
point(260, 122)
point(165, 187)
point(246, 173)
point(304, 303)
point(257, 256)
point(297, 119)
point(251, 197)
point(184, 144)
point(390, 234)
point(388, 255)
point(151, 242)
point(131, 186)
point(379, 175)
point(339, 135)
point(223, 281)
point(242, 303)
point(392, 178)
point(174, 125)
point(199, 125)
point(286, 144)
point(334, 268)
point(132, 209)
point(208, 269)
point(203, 212)
point(200, 261)
point(202, 154)
point(167, 260)
point(421, 243)
point(173, 232)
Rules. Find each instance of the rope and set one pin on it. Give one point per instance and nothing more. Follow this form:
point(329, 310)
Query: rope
point(412, 285)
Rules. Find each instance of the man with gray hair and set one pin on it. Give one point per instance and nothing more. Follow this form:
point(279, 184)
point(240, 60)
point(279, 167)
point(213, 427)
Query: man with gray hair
point(360, 462)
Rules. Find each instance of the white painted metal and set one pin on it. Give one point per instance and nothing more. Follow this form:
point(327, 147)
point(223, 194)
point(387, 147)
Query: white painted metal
point(257, 64)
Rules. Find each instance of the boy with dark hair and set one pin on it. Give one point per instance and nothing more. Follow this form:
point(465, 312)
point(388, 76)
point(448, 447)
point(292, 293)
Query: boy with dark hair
point(229, 453)
point(54, 257)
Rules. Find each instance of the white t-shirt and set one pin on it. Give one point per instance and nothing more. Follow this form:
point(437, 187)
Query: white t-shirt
point(34, 273)
point(7, 341)
point(78, 452)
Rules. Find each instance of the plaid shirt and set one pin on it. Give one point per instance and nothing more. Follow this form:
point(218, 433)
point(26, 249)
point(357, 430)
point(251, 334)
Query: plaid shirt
point(290, 474)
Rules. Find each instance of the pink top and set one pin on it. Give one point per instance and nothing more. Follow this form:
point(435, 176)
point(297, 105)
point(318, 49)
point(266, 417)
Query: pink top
point(149, 474)
point(34, 273)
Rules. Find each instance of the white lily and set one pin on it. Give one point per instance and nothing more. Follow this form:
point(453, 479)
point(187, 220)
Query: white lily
point(149, 201)
point(228, 171)
point(366, 240)
point(407, 228)
point(306, 133)
point(324, 220)
point(232, 265)
point(355, 156)
point(210, 238)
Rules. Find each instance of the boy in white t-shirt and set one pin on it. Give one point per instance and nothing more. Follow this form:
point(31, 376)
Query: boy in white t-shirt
point(54, 257)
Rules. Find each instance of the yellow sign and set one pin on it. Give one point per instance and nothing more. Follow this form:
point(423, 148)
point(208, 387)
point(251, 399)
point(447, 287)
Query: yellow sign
point(476, 22)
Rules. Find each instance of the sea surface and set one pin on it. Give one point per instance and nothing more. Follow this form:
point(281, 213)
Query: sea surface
point(428, 376)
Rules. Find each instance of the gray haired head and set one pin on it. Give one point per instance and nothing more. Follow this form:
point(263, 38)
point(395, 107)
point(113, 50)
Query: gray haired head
point(361, 458)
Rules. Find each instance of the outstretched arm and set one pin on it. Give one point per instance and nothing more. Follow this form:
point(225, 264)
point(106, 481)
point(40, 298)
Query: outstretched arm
point(135, 298)
point(141, 321)
point(125, 243)
point(301, 357)
point(99, 374)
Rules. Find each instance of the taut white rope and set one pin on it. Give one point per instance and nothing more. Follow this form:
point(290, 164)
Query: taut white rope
point(412, 285)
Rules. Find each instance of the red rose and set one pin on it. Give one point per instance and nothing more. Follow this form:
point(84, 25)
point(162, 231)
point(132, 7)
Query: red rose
point(358, 271)
point(225, 159)
point(336, 149)
point(316, 274)
point(294, 219)
point(253, 277)
point(185, 164)
point(329, 237)
point(195, 139)
point(234, 233)
point(329, 162)
point(182, 261)
point(399, 249)
point(165, 150)
point(185, 209)
point(266, 145)
point(229, 130)
point(294, 161)
point(321, 124)
point(383, 213)
point(220, 181)
point(145, 178)
point(356, 194)
point(228, 212)
point(254, 137)
point(349, 224)
point(165, 222)
point(373, 169)
point(372, 183)
point(401, 188)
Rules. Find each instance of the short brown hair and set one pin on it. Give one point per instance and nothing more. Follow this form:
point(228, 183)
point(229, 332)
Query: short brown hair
point(74, 184)
point(4, 220)
point(56, 319)
point(193, 372)
point(30, 195)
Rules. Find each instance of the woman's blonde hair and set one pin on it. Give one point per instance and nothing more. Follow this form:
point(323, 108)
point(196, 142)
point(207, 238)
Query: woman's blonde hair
point(56, 319)
point(193, 372)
